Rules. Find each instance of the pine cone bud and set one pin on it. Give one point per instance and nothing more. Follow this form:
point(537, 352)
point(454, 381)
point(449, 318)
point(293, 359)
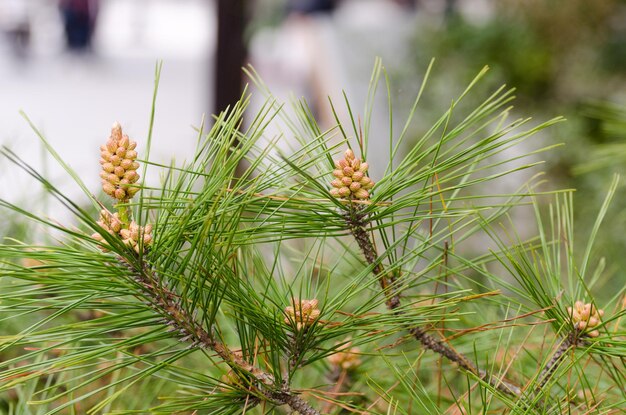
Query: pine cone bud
point(346, 358)
point(136, 233)
point(585, 317)
point(351, 181)
point(119, 168)
point(303, 313)
point(110, 222)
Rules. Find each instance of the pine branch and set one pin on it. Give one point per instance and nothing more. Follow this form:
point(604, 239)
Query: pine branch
point(357, 223)
point(168, 304)
point(572, 340)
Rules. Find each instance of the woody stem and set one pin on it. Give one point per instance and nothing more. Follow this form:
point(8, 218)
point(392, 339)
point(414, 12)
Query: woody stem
point(357, 224)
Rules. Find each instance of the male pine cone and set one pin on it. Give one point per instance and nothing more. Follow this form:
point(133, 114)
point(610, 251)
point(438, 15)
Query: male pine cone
point(134, 236)
point(585, 318)
point(119, 168)
point(350, 179)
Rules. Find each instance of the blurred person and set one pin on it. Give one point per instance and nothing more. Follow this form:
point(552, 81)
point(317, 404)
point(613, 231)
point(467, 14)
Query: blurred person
point(79, 21)
point(15, 23)
point(312, 6)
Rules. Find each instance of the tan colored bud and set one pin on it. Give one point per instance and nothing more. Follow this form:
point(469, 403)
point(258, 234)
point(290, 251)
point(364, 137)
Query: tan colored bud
point(364, 167)
point(355, 164)
point(585, 317)
point(349, 155)
point(344, 192)
point(357, 176)
point(132, 176)
point(111, 146)
point(355, 186)
point(338, 173)
point(108, 188)
point(347, 358)
point(125, 234)
point(120, 194)
point(346, 181)
point(113, 178)
point(303, 313)
point(337, 183)
point(115, 160)
point(119, 171)
point(362, 194)
point(108, 167)
point(131, 154)
point(110, 222)
point(334, 192)
point(121, 151)
point(116, 131)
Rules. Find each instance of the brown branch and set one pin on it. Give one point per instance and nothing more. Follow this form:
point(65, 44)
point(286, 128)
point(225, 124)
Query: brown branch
point(387, 281)
point(168, 304)
point(357, 224)
point(572, 340)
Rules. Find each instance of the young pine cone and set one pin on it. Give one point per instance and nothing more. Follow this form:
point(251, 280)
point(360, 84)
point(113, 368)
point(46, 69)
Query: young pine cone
point(350, 179)
point(347, 358)
point(585, 317)
point(110, 222)
point(303, 313)
point(132, 235)
point(119, 168)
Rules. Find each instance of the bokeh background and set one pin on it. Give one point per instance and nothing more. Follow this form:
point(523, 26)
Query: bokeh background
point(75, 66)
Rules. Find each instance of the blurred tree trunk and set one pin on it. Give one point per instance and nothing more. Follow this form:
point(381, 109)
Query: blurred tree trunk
point(231, 53)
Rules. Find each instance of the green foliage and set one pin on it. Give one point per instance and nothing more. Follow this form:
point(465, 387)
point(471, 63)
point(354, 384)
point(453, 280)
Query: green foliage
point(199, 320)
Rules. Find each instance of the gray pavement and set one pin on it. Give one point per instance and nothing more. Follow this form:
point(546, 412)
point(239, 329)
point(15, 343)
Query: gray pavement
point(74, 100)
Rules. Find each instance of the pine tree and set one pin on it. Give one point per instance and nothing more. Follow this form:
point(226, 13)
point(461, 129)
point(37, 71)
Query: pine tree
point(192, 297)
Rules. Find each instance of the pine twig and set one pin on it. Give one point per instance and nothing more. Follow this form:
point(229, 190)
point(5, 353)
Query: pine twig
point(387, 282)
point(168, 303)
point(571, 341)
point(357, 224)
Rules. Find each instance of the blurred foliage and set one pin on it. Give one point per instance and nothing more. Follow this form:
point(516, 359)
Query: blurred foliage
point(551, 51)
point(563, 57)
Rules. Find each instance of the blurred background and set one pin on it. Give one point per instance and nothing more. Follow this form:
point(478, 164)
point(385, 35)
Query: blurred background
point(75, 66)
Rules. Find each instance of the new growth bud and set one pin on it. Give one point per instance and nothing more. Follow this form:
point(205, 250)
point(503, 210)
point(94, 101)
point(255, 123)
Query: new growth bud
point(346, 358)
point(134, 234)
point(119, 168)
point(131, 236)
point(110, 222)
point(585, 317)
point(303, 313)
point(351, 181)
